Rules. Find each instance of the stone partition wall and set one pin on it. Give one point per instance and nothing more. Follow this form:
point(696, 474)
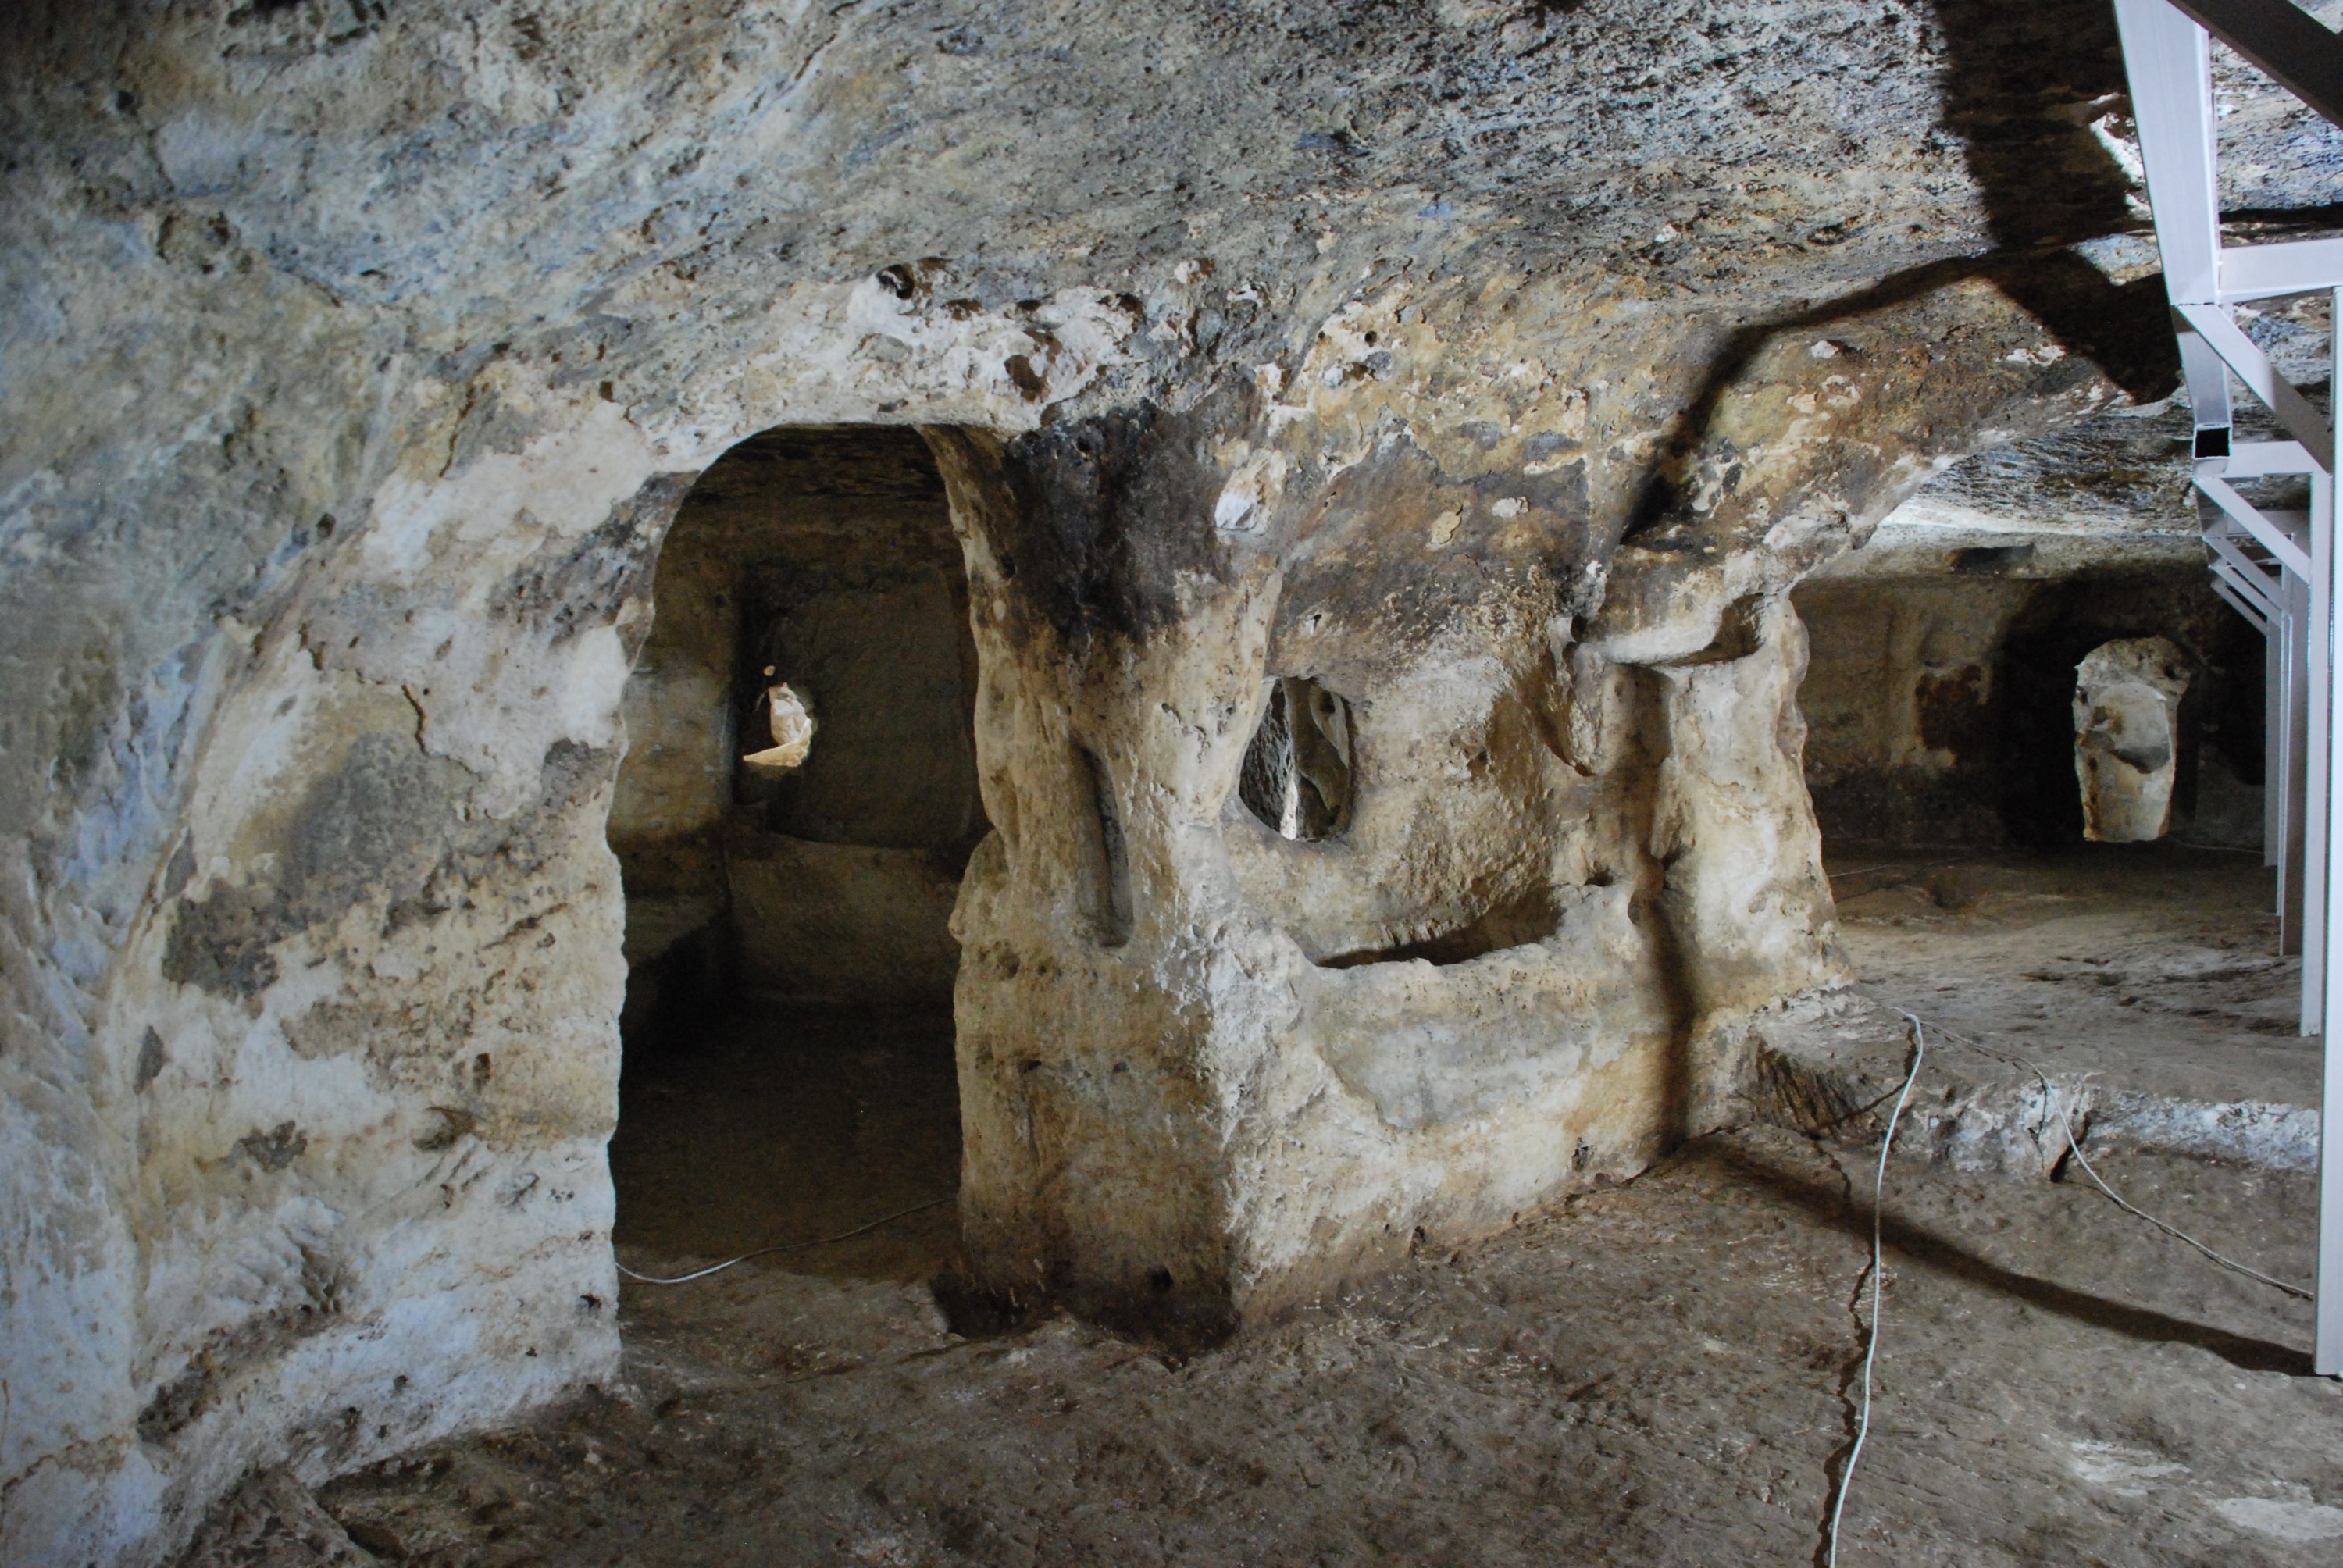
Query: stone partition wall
point(359, 357)
point(357, 1048)
point(1207, 1070)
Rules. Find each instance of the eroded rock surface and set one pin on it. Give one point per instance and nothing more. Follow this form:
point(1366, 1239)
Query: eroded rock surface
point(2127, 696)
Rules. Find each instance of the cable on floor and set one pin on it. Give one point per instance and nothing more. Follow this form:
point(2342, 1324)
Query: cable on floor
point(2074, 1146)
point(1878, 1281)
point(2076, 1150)
point(789, 1246)
point(1898, 866)
point(2058, 1108)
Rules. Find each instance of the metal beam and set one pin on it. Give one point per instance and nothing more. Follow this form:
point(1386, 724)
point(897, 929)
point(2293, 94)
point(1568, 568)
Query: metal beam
point(2237, 601)
point(2317, 754)
point(2326, 1347)
point(2170, 68)
point(2171, 72)
point(2207, 381)
point(2264, 584)
point(2288, 45)
point(2262, 459)
point(2168, 58)
point(2252, 602)
point(2261, 596)
point(2281, 267)
point(2292, 701)
point(2252, 367)
point(2275, 647)
point(2264, 528)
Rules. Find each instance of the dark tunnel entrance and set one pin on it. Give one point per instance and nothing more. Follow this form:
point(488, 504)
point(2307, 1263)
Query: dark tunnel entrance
point(798, 803)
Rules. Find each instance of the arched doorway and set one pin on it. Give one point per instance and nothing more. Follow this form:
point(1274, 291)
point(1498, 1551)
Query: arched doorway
point(796, 808)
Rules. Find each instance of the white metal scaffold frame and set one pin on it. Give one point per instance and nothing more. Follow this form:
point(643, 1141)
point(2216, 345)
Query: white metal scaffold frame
point(2276, 568)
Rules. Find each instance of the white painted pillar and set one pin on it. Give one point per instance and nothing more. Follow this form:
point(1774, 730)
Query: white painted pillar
point(2318, 753)
point(2275, 647)
point(2327, 1350)
point(2290, 724)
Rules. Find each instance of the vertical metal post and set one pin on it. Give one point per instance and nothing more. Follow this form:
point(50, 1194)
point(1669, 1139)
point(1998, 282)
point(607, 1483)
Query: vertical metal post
point(2317, 752)
point(2274, 652)
point(2169, 62)
point(2291, 726)
point(2275, 648)
point(2327, 1348)
point(2166, 57)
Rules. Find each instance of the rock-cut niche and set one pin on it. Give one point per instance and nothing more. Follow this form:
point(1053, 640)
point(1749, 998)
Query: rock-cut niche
point(798, 803)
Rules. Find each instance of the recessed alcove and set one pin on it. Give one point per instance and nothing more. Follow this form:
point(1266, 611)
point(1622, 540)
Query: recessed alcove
point(798, 803)
point(1529, 916)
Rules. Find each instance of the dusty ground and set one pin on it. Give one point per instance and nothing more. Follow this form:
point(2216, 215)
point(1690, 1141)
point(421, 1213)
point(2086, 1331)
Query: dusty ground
point(1663, 1372)
point(789, 1125)
point(2156, 964)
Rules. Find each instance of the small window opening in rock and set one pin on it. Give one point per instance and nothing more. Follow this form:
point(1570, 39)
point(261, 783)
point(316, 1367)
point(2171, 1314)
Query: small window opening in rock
point(1297, 776)
point(796, 805)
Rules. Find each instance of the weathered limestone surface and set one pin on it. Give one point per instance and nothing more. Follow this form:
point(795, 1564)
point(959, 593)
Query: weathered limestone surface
point(2127, 698)
point(1500, 368)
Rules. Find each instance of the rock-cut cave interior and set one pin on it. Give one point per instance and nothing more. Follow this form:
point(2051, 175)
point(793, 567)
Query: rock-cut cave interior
point(1206, 781)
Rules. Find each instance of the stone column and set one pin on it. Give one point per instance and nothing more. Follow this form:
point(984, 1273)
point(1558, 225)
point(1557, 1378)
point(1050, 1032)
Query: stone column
point(2127, 737)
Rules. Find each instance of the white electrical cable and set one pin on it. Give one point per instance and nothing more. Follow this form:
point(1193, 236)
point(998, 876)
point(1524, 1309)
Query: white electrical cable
point(785, 1247)
point(1878, 1281)
point(2074, 1146)
point(1898, 866)
point(2076, 1150)
point(1878, 1188)
point(1878, 1191)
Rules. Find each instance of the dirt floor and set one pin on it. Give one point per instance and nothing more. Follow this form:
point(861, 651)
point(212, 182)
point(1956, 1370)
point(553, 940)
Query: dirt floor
point(1663, 1372)
point(2156, 964)
point(789, 1125)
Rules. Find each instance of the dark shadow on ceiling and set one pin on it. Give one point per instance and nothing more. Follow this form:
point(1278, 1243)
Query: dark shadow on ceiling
point(2022, 85)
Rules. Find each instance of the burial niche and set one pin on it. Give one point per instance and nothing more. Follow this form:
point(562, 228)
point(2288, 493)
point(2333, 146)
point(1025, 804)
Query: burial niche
point(1297, 769)
point(796, 805)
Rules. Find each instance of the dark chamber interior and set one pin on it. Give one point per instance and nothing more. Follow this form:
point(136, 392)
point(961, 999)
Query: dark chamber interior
point(2221, 717)
point(789, 1072)
point(1940, 710)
